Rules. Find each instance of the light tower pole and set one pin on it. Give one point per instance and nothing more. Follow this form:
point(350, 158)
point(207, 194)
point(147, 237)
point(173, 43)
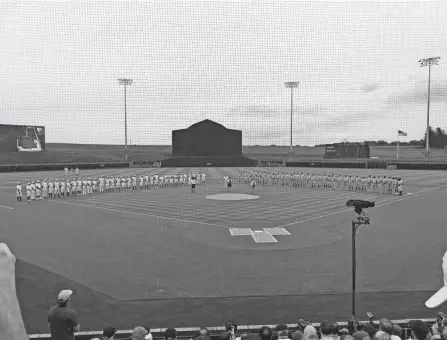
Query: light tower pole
point(291, 85)
point(428, 62)
point(125, 82)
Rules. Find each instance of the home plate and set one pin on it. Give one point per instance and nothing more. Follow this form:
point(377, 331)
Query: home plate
point(232, 197)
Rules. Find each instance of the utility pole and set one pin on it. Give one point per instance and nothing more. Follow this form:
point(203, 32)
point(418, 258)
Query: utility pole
point(125, 82)
point(428, 62)
point(291, 85)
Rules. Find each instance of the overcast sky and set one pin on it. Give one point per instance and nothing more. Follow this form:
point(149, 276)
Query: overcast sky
point(356, 61)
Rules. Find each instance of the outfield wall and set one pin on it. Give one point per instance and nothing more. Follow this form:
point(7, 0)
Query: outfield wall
point(187, 333)
point(372, 164)
point(61, 166)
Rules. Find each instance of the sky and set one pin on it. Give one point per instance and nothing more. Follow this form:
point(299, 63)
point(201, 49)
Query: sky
point(356, 61)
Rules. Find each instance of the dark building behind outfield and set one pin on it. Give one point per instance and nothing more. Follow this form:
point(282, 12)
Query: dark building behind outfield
point(207, 138)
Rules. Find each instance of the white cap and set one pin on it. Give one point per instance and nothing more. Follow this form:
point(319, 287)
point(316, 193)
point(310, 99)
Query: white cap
point(64, 295)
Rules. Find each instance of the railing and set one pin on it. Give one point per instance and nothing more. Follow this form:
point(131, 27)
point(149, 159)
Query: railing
point(186, 333)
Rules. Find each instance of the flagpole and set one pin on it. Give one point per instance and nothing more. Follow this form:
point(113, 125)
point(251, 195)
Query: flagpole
point(397, 149)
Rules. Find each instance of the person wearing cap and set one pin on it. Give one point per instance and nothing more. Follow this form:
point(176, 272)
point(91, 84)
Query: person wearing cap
point(139, 333)
point(28, 192)
point(62, 319)
point(108, 333)
point(419, 329)
point(19, 192)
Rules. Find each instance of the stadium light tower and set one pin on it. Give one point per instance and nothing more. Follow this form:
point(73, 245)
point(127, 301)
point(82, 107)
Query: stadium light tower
point(428, 62)
point(291, 85)
point(125, 82)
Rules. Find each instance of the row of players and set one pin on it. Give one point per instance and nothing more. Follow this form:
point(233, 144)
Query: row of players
point(381, 184)
point(87, 186)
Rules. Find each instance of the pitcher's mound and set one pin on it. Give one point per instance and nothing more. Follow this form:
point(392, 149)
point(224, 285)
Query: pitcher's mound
point(232, 197)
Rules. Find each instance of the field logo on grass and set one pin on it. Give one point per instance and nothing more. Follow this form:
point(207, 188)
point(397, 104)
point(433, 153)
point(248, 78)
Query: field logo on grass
point(260, 236)
point(441, 295)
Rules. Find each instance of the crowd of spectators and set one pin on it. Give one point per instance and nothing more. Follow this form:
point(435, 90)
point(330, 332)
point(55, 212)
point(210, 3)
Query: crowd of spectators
point(63, 322)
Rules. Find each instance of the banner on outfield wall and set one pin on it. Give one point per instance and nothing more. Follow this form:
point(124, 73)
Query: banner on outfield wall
point(22, 138)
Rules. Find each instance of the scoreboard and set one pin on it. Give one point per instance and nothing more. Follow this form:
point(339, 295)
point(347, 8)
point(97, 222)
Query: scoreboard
point(347, 150)
point(22, 138)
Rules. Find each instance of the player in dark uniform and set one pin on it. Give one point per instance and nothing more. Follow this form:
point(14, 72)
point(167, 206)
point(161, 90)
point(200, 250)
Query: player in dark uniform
point(229, 184)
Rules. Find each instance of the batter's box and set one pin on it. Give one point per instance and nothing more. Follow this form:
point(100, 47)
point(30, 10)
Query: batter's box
point(241, 232)
point(261, 236)
point(277, 231)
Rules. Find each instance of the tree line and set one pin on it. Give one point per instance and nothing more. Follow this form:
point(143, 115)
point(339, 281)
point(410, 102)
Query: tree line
point(438, 140)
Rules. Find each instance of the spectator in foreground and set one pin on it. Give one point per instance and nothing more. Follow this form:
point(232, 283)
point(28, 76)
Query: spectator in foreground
point(297, 335)
point(265, 333)
point(283, 331)
point(148, 335)
point(108, 333)
point(369, 328)
point(329, 331)
point(170, 334)
point(385, 326)
point(419, 330)
point(62, 319)
point(361, 335)
point(11, 322)
point(397, 332)
point(139, 333)
point(440, 322)
point(382, 336)
point(225, 336)
point(308, 332)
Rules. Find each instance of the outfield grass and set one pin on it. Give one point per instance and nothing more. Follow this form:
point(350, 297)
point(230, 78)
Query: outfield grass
point(129, 265)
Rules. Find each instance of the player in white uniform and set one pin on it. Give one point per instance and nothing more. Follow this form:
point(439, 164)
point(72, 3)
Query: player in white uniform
point(77, 171)
point(28, 192)
point(62, 188)
point(66, 172)
point(51, 188)
point(151, 181)
point(57, 188)
point(68, 188)
point(193, 184)
point(38, 191)
point(146, 181)
point(19, 192)
point(73, 187)
point(107, 182)
point(45, 189)
point(141, 182)
point(33, 191)
point(203, 178)
point(134, 182)
point(79, 187)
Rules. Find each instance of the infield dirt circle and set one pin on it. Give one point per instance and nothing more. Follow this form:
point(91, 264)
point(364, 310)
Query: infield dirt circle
point(232, 197)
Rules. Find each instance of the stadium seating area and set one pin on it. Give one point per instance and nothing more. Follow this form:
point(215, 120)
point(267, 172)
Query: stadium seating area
point(432, 329)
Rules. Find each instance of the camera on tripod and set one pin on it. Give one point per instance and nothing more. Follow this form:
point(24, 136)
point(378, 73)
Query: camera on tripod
point(359, 206)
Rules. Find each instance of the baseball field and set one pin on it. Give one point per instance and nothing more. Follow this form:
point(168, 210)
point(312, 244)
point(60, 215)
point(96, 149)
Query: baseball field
point(168, 257)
